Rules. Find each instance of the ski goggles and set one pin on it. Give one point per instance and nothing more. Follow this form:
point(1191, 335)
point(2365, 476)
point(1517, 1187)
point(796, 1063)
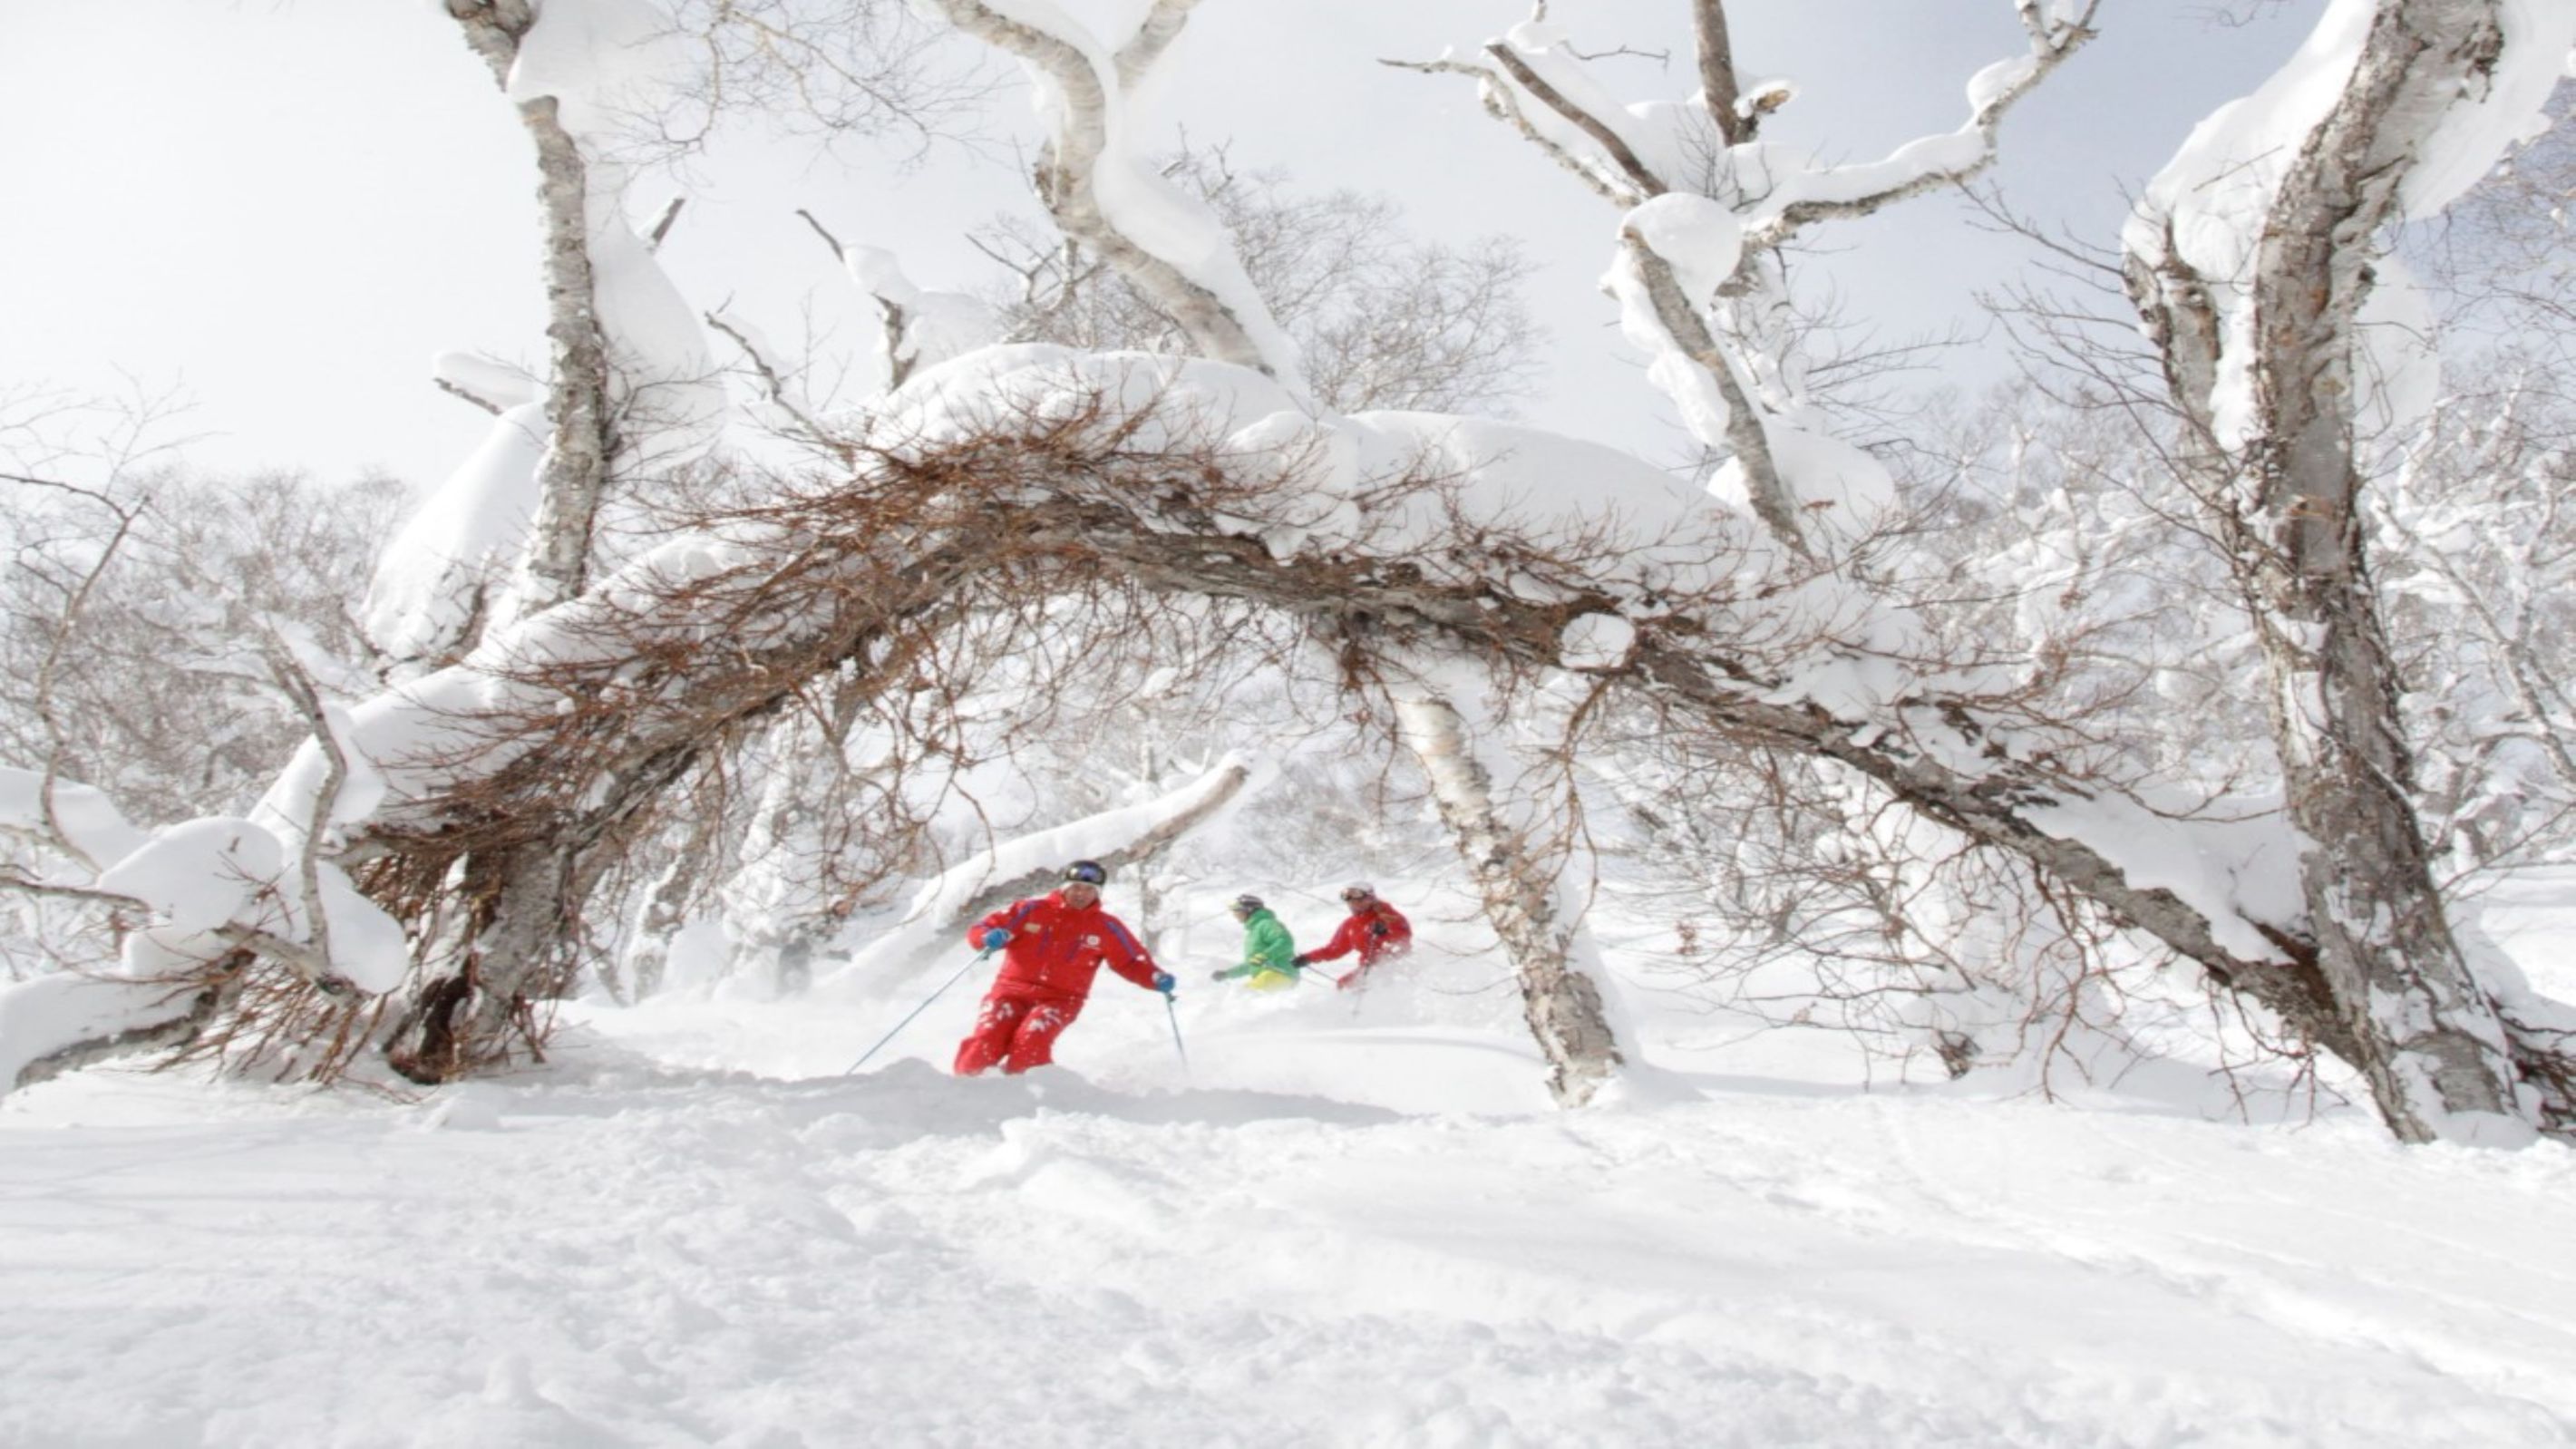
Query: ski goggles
point(1085, 872)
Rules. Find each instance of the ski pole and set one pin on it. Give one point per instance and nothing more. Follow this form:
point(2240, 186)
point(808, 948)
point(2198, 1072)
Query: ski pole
point(1174, 1012)
point(918, 1010)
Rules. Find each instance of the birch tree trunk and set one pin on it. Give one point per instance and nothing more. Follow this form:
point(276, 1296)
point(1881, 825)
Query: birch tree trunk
point(1523, 901)
point(581, 423)
point(2289, 493)
point(506, 935)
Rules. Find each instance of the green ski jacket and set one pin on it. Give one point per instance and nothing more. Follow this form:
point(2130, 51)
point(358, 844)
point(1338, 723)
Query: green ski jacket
point(1266, 947)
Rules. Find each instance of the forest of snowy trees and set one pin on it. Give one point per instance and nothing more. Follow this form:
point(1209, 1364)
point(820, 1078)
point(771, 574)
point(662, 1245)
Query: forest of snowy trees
point(2176, 702)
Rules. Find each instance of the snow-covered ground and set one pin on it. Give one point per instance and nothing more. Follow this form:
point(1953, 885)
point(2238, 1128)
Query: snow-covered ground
point(1354, 1221)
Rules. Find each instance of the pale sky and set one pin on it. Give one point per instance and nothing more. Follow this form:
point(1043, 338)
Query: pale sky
point(285, 207)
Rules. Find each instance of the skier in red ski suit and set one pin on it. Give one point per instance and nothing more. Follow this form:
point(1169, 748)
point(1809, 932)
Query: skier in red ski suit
point(1052, 947)
point(1374, 929)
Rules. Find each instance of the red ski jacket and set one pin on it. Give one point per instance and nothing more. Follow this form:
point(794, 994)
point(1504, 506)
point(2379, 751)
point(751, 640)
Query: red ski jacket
point(1056, 949)
point(1377, 931)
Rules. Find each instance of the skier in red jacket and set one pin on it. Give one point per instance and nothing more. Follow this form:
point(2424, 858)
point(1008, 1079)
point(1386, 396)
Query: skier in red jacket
point(1051, 948)
point(1374, 929)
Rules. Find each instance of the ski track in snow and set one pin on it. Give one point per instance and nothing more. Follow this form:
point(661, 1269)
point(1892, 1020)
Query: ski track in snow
point(623, 1251)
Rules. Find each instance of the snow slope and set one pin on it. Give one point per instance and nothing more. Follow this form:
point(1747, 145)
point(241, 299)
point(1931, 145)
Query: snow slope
point(1355, 1222)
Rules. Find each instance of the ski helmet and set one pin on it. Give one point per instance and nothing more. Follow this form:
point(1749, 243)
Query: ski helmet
point(1358, 891)
point(1247, 904)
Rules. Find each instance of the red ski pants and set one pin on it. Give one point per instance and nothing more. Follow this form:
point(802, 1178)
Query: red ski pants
point(1017, 1031)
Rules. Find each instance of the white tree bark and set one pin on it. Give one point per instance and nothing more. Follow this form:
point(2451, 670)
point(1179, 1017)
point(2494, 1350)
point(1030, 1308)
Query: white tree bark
point(579, 411)
point(1521, 884)
point(2289, 494)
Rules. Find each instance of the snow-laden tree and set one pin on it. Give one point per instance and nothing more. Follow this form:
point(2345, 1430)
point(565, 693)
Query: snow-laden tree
point(2287, 330)
point(1495, 596)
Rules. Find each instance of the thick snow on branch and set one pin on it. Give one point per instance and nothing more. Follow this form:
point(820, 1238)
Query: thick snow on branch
point(2236, 872)
point(487, 382)
point(599, 60)
point(207, 880)
point(1702, 242)
point(1636, 151)
point(438, 575)
point(921, 328)
point(190, 894)
point(1553, 490)
point(1696, 274)
point(90, 822)
point(421, 736)
point(1108, 194)
point(52, 1015)
point(1646, 149)
point(1846, 491)
point(2208, 208)
point(2507, 110)
point(941, 908)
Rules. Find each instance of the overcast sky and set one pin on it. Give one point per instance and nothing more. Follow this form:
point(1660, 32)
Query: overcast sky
point(284, 207)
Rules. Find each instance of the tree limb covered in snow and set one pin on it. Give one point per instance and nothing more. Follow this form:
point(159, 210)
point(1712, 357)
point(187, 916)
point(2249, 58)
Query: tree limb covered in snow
point(176, 1017)
point(2052, 42)
point(1702, 278)
point(1015, 869)
point(1642, 182)
point(574, 480)
point(291, 679)
point(1069, 178)
point(1687, 326)
point(297, 956)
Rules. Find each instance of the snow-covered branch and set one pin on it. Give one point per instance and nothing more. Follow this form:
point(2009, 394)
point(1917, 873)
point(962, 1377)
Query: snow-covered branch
point(1101, 194)
point(1929, 163)
point(1640, 182)
point(1699, 275)
point(1123, 840)
point(629, 377)
point(291, 679)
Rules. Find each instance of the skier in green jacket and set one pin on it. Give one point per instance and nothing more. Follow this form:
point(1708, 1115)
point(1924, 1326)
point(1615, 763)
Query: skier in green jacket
point(1269, 957)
